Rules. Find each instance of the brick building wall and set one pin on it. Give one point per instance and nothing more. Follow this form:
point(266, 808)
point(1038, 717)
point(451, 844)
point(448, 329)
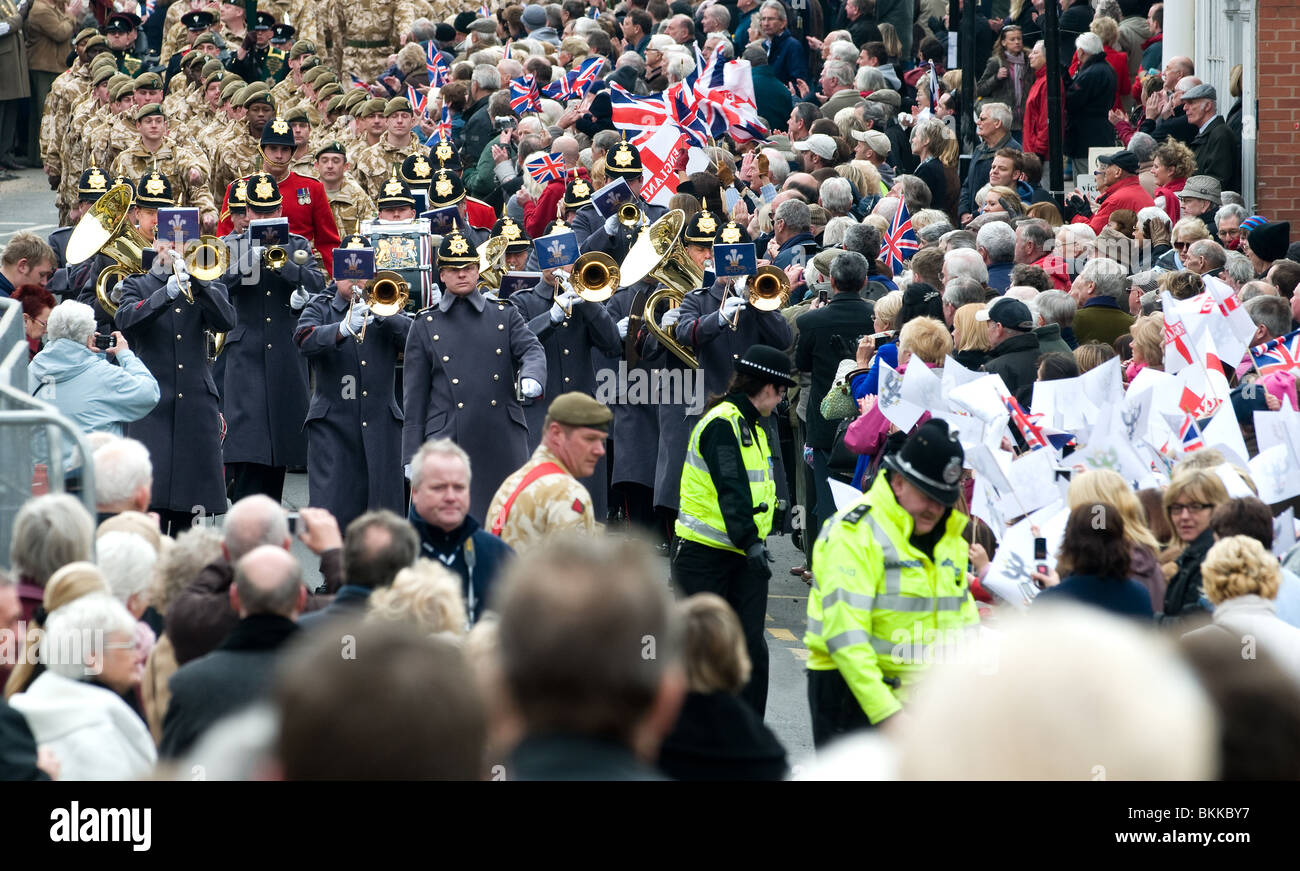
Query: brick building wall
point(1277, 161)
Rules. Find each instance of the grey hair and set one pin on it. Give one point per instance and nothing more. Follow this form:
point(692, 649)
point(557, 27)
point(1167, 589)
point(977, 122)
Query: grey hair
point(1039, 233)
point(930, 234)
point(1231, 210)
point(957, 239)
point(837, 195)
point(1273, 313)
point(966, 263)
point(71, 320)
point(720, 14)
point(916, 193)
point(1209, 249)
point(999, 240)
point(126, 561)
point(1057, 307)
point(837, 229)
point(88, 619)
point(1089, 43)
point(442, 447)
point(724, 44)
point(864, 239)
point(121, 468)
point(252, 522)
point(795, 214)
point(870, 79)
point(849, 271)
point(1153, 213)
point(777, 166)
point(680, 65)
point(423, 30)
point(1238, 268)
point(49, 532)
point(486, 77)
point(1108, 276)
point(872, 111)
point(631, 59)
point(842, 71)
point(776, 6)
point(962, 291)
point(999, 112)
point(843, 50)
point(1142, 146)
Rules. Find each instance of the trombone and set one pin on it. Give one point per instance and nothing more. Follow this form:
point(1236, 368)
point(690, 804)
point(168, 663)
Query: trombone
point(769, 291)
point(594, 277)
point(386, 294)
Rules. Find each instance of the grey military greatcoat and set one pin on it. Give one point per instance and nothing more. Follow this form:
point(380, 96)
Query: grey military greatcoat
point(183, 432)
point(265, 392)
point(462, 358)
point(354, 423)
point(635, 430)
point(571, 348)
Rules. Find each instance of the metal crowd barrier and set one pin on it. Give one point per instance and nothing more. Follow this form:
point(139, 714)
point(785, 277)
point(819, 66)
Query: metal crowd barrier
point(21, 418)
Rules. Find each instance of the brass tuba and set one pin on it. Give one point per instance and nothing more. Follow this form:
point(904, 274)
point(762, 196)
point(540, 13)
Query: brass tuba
point(659, 253)
point(594, 277)
point(386, 294)
point(492, 262)
point(105, 230)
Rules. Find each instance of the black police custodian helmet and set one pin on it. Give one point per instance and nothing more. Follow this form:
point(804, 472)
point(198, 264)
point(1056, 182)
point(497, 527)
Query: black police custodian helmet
point(277, 132)
point(931, 460)
point(577, 193)
point(237, 196)
point(395, 194)
point(517, 238)
point(769, 364)
point(456, 252)
point(702, 228)
point(356, 240)
point(623, 160)
point(417, 171)
point(154, 191)
point(732, 234)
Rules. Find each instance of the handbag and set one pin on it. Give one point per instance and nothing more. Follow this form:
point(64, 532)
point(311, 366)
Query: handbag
point(838, 403)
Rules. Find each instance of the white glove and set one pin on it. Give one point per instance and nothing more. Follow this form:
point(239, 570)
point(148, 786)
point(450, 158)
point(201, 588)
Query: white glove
point(531, 388)
point(622, 328)
point(611, 225)
point(4, 28)
point(299, 299)
point(173, 287)
point(435, 296)
point(406, 470)
point(563, 302)
point(360, 317)
point(730, 306)
point(670, 318)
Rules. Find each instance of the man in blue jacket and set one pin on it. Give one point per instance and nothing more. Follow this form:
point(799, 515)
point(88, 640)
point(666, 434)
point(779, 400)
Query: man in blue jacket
point(440, 473)
point(787, 56)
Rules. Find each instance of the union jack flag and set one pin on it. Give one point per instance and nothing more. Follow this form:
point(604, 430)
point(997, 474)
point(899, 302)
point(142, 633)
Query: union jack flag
point(1189, 434)
point(688, 117)
point(417, 102)
point(1280, 355)
point(524, 96)
point(437, 67)
point(900, 243)
point(635, 114)
point(148, 9)
point(546, 168)
point(443, 130)
point(585, 75)
point(358, 82)
point(484, 11)
point(1027, 423)
point(508, 54)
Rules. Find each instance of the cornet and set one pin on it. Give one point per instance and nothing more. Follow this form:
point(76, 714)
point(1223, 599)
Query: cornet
point(769, 291)
point(386, 294)
point(275, 257)
point(594, 278)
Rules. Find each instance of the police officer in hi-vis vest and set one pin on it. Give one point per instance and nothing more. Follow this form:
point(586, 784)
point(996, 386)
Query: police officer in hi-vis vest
point(728, 503)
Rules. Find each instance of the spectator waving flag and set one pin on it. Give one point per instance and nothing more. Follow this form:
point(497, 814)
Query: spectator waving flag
point(484, 11)
point(558, 89)
point(524, 96)
point(358, 83)
point(687, 114)
point(1280, 355)
point(443, 130)
point(437, 67)
point(635, 114)
point(586, 74)
point(417, 102)
point(546, 168)
point(900, 242)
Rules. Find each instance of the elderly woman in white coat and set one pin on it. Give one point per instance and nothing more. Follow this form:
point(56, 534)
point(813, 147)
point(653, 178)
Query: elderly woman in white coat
point(75, 708)
point(1241, 578)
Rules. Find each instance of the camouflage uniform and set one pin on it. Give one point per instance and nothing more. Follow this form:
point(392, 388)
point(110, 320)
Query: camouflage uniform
point(174, 161)
point(373, 32)
point(121, 134)
point(86, 118)
point(236, 156)
point(551, 503)
point(330, 19)
point(304, 164)
point(174, 33)
point(283, 93)
point(68, 90)
point(374, 165)
point(350, 205)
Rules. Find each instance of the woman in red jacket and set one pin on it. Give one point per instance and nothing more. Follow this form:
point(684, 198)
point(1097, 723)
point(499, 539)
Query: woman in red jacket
point(1035, 132)
point(1171, 164)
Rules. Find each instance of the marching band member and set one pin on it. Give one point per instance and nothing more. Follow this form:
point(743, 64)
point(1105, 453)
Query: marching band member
point(354, 423)
point(459, 374)
point(183, 432)
point(265, 394)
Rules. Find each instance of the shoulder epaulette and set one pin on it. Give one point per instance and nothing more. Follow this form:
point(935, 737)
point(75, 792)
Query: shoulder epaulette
point(856, 513)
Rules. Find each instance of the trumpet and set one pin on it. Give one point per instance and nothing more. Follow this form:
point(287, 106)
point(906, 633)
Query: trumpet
point(594, 277)
point(629, 215)
point(769, 291)
point(275, 257)
point(386, 294)
point(205, 259)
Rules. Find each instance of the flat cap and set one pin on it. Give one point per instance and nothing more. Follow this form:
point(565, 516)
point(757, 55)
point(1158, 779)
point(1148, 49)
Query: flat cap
point(579, 409)
point(1201, 92)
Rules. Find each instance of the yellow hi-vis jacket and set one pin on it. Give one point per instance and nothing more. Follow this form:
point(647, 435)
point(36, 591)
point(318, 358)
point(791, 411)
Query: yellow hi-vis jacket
point(881, 610)
point(699, 518)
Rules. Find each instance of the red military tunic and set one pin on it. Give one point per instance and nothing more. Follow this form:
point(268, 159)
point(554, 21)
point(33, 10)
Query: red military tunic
point(307, 207)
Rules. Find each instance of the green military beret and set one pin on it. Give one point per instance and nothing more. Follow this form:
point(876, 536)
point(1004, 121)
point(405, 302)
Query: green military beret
point(259, 95)
point(148, 82)
point(212, 65)
point(302, 47)
point(85, 33)
point(122, 90)
point(579, 409)
point(332, 147)
point(97, 41)
point(353, 98)
point(102, 74)
point(397, 104)
point(329, 89)
point(208, 38)
point(148, 109)
point(373, 106)
point(297, 114)
point(335, 104)
point(230, 88)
